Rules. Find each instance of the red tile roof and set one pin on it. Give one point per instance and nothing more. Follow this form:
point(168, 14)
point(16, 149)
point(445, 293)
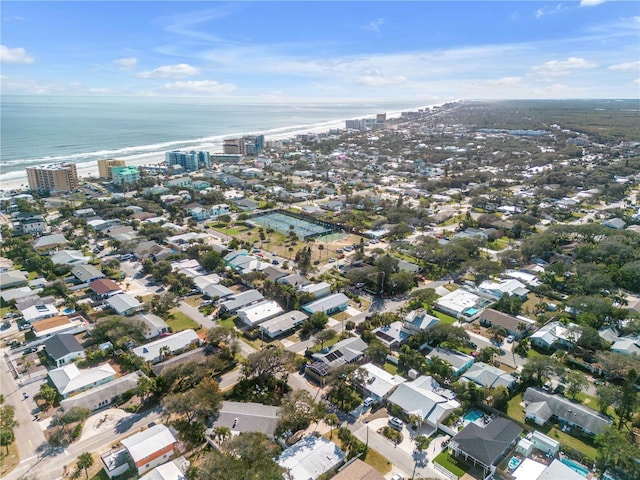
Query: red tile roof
point(103, 286)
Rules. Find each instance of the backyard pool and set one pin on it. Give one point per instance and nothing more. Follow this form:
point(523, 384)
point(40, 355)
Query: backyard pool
point(473, 415)
point(68, 311)
point(576, 467)
point(513, 463)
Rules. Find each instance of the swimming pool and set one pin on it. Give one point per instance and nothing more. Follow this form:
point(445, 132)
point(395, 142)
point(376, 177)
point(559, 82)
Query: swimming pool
point(469, 312)
point(473, 415)
point(513, 463)
point(576, 467)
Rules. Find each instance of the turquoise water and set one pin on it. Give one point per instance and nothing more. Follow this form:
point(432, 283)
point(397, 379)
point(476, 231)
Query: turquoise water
point(470, 311)
point(473, 415)
point(576, 467)
point(513, 463)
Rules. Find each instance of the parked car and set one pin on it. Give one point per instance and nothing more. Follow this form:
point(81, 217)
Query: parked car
point(395, 422)
point(510, 339)
point(368, 401)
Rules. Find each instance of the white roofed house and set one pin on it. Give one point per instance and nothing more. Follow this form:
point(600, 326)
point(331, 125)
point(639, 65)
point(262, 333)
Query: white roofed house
point(510, 287)
point(13, 278)
point(155, 325)
point(425, 399)
point(103, 395)
point(69, 379)
point(35, 313)
point(329, 305)
point(147, 449)
point(257, 313)
point(282, 323)
point(554, 335)
point(380, 383)
point(461, 304)
point(156, 351)
point(460, 362)
point(124, 304)
point(311, 457)
point(318, 290)
point(69, 257)
point(488, 376)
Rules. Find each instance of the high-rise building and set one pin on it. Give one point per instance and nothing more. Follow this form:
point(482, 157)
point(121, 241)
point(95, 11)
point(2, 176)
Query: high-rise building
point(250, 145)
point(57, 177)
point(233, 146)
point(125, 175)
point(106, 164)
point(190, 161)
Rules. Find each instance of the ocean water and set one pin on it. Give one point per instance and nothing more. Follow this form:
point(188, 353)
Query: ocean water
point(38, 130)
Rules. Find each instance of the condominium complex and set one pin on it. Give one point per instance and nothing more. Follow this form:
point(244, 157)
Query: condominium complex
point(125, 175)
point(189, 161)
point(106, 164)
point(249, 145)
point(58, 177)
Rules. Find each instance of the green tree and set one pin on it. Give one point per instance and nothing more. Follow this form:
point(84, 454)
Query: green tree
point(576, 382)
point(7, 437)
point(617, 449)
point(85, 462)
point(222, 433)
point(48, 394)
point(324, 336)
point(486, 354)
point(377, 351)
point(628, 401)
point(538, 369)
point(298, 411)
point(331, 419)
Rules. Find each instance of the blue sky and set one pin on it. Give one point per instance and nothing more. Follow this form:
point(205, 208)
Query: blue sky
point(349, 50)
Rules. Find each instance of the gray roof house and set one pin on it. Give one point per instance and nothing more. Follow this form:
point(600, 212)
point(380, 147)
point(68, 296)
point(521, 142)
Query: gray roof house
point(488, 376)
point(542, 407)
point(241, 417)
point(13, 278)
point(103, 395)
point(63, 348)
point(124, 304)
point(282, 323)
point(240, 300)
point(329, 305)
point(459, 362)
point(485, 446)
point(87, 273)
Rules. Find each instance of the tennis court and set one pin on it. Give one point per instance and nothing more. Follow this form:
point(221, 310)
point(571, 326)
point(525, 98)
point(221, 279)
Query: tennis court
point(281, 223)
point(331, 237)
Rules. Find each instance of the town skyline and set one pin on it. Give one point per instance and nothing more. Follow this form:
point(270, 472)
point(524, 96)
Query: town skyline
point(326, 50)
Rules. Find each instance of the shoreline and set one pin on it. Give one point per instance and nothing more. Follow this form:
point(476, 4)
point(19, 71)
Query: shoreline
point(17, 180)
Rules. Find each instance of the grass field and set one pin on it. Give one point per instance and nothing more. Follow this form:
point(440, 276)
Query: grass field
point(9, 461)
point(444, 318)
point(452, 464)
point(178, 322)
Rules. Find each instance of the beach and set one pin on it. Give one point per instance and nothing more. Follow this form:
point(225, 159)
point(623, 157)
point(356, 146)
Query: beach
point(17, 179)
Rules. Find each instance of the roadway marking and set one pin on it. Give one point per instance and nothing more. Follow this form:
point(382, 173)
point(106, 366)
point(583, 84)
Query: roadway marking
point(30, 458)
point(30, 444)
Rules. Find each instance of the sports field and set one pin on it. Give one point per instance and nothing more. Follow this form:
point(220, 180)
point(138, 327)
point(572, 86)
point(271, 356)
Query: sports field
point(282, 223)
point(331, 237)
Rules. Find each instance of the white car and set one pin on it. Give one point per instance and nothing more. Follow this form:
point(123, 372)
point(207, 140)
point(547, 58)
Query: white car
point(397, 476)
point(510, 339)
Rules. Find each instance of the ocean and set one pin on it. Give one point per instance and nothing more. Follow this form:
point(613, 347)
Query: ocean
point(38, 130)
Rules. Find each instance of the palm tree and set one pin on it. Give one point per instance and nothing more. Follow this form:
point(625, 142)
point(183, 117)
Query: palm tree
point(332, 420)
point(85, 462)
point(221, 433)
point(320, 249)
point(164, 352)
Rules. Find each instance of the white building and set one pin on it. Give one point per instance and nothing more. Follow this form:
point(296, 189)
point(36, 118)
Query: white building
point(175, 343)
point(310, 457)
point(255, 314)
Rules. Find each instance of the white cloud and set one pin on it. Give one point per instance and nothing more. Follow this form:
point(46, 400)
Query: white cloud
point(380, 80)
point(374, 25)
point(126, 63)
point(14, 55)
point(199, 87)
point(541, 12)
point(626, 66)
point(504, 82)
point(100, 91)
point(591, 3)
point(181, 70)
point(556, 68)
point(557, 89)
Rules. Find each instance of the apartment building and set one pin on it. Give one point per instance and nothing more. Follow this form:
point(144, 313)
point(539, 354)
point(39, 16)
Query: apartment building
point(105, 166)
point(57, 177)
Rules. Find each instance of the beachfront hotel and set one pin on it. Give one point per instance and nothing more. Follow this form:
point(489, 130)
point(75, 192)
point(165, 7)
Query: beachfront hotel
point(125, 175)
point(57, 177)
point(189, 161)
point(106, 164)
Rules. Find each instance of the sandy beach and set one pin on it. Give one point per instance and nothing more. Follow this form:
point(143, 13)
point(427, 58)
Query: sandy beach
point(90, 169)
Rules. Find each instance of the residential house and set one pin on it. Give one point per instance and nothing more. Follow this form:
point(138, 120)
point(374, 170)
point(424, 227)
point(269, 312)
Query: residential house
point(516, 326)
point(543, 407)
point(244, 417)
point(424, 398)
point(337, 302)
point(615, 223)
point(39, 312)
point(419, 320)
point(504, 287)
point(296, 280)
point(63, 348)
point(155, 325)
point(485, 446)
point(380, 383)
point(488, 376)
point(124, 304)
point(554, 335)
point(241, 300)
point(356, 469)
point(103, 395)
point(311, 457)
point(349, 350)
point(157, 350)
point(461, 304)
point(282, 324)
point(58, 325)
point(104, 288)
point(69, 257)
point(150, 448)
point(6, 265)
point(13, 278)
point(29, 223)
point(217, 291)
point(174, 470)
point(86, 273)
point(392, 335)
point(50, 242)
point(559, 470)
point(255, 314)
point(459, 362)
point(69, 379)
point(318, 290)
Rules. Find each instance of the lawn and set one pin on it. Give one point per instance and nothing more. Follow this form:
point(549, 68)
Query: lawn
point(444, 318)
point(9, 461)
point(194, 300)
point(228, 322)
point(452, 464)
point(516, 411)
point(178, 322)
point(391, 368)
point(373, 458)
